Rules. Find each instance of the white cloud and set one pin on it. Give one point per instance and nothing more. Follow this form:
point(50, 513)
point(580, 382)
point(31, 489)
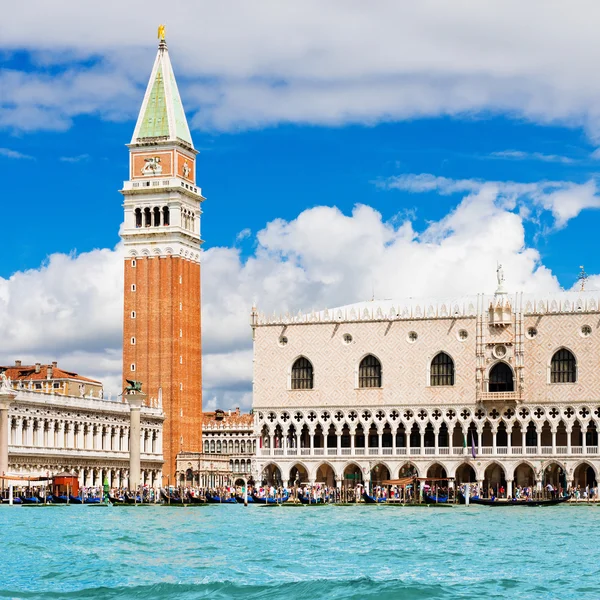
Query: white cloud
point(70, 308)
point(521, 155)
point(75, 159)
point(564, 199)
point(8, 153)
point(257, 64)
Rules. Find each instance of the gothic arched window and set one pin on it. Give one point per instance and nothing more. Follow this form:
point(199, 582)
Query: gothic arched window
point(138, 217)
point(156, 213)
point(166, 217)
point(501, 378)
point(302, 374)
point(442, 370)
point(369, 372)
point(563, 368)
point(147, 217)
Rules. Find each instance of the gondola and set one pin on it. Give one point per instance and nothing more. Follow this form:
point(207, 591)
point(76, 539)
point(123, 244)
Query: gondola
point(59, 499)
point(371, 500)
point(213, 499)
point(218, 500)
point(530, 503)
point(31, 500)
point(131, 499)
point(429, 499)
point(308, 500)
point(194, 500)
point(92, 500)
point(75, 500)
point(240, 499)
point(281, 500)
point(169, 498)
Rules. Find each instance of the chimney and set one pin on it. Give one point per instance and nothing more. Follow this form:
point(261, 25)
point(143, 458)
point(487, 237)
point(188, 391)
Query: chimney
point(49, 370)
point(38, 367)
point(17, 363)
point(54, 364)
point(237, 410)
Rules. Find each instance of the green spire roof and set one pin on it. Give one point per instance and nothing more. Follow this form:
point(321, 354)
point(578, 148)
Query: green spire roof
point(162, 115)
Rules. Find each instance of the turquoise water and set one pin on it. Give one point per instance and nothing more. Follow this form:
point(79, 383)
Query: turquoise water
point(321, 552)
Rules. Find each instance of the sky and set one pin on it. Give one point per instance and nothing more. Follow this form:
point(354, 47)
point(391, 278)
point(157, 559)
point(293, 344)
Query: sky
point(348, 150)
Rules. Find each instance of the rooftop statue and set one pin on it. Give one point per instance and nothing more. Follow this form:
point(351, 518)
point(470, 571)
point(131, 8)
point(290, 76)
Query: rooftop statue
point(500, 274)
point(5, 382)
point(161, 33)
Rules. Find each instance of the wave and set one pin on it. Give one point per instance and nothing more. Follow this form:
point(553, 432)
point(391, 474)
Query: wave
point(348, 589)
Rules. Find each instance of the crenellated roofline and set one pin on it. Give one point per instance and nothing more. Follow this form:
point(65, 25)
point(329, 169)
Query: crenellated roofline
point(464, 308)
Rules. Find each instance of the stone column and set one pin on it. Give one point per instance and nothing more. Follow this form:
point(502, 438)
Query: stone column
point(311, 435)
point(494, 441)
point(523, 441)
point(352, 441)
point(569, 431)
point(338, 437)
point(554, 442)
point(509, 488)
point(584, 440)
point(135, 400)
point(436, 440)
point(7, 395)
point(379, 442)
point(394, 432)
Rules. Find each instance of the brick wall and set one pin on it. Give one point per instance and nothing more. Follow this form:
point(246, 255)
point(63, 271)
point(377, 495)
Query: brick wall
point(167, 352)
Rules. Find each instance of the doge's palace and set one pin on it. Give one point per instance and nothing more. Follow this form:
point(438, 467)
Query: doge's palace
point(500, 389)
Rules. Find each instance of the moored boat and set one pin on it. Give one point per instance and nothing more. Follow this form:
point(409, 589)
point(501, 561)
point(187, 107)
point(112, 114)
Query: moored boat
point(31, 500)
point(371, 500)
point(429, 499)
point(513, 502)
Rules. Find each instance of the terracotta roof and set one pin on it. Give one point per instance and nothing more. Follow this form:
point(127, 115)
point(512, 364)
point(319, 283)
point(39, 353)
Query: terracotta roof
point(28, 373)
point(222, 417)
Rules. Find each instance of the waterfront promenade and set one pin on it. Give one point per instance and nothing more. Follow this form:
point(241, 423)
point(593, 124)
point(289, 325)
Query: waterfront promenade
point(326, 552)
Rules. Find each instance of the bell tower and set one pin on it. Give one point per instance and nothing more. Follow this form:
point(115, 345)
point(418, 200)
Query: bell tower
point(161, 235)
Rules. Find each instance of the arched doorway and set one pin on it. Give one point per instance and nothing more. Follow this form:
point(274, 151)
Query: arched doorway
point(352, 475)
point(583, 476)
point(554, 475)
point(271, 475)
point(437, 471)
point(501, 378)
point(298, 475)
point(494, 479)
point(325, 475)
point(408, 470)
point(524, 475)
point(465, 473)
point(379, 474)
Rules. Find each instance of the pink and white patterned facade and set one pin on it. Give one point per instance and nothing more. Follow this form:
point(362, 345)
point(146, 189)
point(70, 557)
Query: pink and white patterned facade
point(540, 427)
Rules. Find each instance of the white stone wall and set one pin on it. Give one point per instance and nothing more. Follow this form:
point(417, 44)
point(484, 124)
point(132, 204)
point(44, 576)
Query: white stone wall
point(51, 433)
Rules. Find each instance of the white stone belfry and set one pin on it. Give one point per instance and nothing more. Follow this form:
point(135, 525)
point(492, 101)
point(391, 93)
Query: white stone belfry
point(162, 200)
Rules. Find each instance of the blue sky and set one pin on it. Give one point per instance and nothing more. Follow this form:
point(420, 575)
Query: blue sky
point(253, 177)
point(346, 150)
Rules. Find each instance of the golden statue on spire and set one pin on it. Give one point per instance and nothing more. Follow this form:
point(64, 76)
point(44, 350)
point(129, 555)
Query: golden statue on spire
point(161, 33)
